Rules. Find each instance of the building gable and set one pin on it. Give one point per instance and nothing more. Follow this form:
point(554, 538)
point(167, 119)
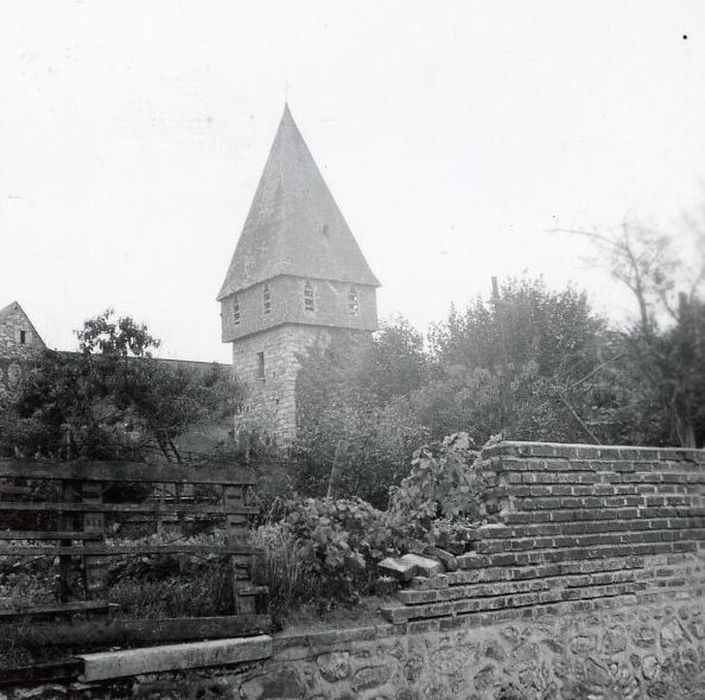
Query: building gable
point(18, 336)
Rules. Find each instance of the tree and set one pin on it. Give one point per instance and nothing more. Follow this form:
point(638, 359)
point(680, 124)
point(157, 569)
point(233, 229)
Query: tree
point(111, 399)
point(664, 348)
point(400, 365)
point(519, 363)
point(351, 412)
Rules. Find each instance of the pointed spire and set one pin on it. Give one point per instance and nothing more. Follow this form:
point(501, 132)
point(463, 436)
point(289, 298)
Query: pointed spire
point(294, 226)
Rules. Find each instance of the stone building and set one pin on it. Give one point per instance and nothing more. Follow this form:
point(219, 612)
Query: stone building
point(297, 279)
point(19, 344)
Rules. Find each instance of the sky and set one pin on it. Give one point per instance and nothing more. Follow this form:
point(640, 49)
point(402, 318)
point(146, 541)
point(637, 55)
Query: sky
point(455, 137)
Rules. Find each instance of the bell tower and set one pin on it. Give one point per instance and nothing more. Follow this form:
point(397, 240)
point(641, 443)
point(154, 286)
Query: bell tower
point(296, 279)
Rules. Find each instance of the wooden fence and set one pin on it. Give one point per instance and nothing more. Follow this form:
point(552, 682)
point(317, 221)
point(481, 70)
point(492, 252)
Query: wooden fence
point(59, 510)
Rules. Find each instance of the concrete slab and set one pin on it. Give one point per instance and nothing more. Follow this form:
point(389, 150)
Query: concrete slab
point(173, 657)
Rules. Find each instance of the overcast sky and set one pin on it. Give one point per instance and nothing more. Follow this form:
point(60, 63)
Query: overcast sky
point(453, 135)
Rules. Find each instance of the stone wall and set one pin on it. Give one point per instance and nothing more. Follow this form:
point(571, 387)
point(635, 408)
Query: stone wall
point(614, 653)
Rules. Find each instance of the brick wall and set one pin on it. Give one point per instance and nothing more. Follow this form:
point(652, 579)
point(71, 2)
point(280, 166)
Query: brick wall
point(578, 527)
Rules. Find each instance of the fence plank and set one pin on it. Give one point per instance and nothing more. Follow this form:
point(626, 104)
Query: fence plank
point(120, 550)
point(65, 609)
point(67, 521)
point(115, 631)
point(127, 471)
point(14, 490)
point(155, 507)
point(65, 670)
point(48, 535)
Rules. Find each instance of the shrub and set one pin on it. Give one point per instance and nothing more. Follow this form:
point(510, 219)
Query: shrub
point(354, 392)
point(442, 495)
point(339, 541)
point(325, 550)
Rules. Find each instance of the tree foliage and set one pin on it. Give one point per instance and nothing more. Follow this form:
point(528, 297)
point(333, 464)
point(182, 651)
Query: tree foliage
point(350, 396)
point(512, 365)
point(662, 378)
point(111, 399)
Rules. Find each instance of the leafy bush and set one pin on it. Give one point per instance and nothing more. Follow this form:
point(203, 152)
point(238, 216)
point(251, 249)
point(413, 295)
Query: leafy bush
point(339, 542)
point(443, 493)
point(326, 550)
point(111, 399)
point(323, 550)
point(353, 392)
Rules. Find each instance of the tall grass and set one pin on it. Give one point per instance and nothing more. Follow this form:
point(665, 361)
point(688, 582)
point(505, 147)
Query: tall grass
point(193, 594)
point(281, 567)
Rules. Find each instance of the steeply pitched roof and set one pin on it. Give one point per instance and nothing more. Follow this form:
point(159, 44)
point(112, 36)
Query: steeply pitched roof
point(294, 226)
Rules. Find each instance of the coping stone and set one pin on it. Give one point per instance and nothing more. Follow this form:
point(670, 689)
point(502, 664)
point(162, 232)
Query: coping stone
point(174, 657)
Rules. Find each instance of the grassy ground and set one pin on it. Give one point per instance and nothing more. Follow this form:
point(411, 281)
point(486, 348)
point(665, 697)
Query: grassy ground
point(310, 618)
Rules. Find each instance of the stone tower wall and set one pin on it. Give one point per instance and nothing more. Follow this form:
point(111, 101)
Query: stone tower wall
point(331, 304)
point(271, 404)
point(271, 401)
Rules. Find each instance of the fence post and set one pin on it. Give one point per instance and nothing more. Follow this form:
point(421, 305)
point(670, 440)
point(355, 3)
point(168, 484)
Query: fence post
point(240, 564)
point(67, 522)
point(93, 567)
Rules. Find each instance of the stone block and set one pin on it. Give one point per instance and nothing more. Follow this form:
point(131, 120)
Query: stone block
point(334, 666)
point(370, 677)
point(386, 586)
point(446, 558)
point(397, 568)
point(424, 565)
point(412, 597)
